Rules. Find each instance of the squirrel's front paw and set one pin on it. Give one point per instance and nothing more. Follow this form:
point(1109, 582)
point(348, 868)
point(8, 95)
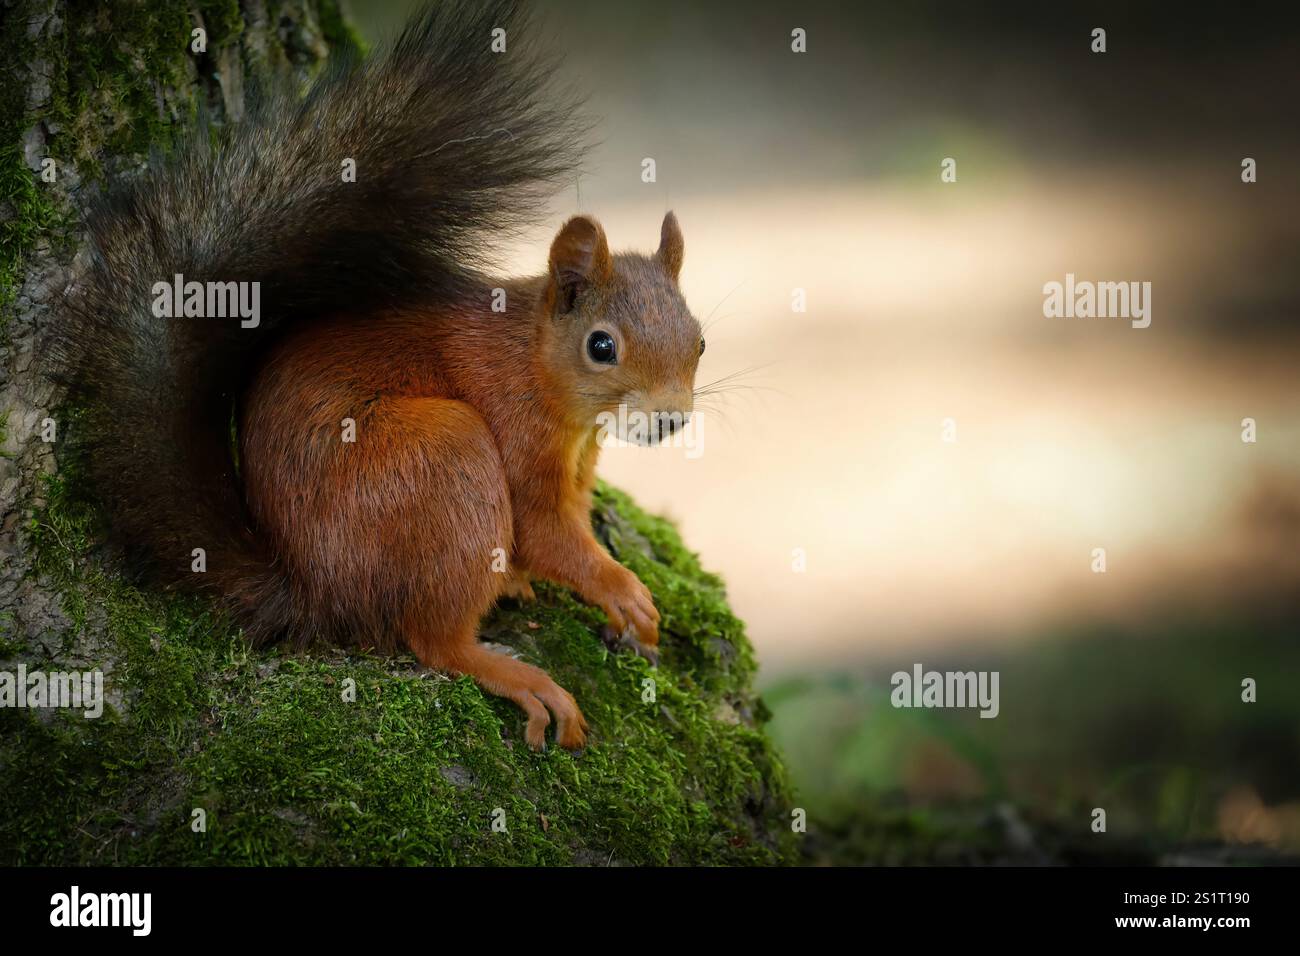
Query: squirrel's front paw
point(633, 618)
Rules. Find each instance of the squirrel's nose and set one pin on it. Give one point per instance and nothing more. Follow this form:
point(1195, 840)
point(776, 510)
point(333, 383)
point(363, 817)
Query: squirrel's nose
point(666, 423)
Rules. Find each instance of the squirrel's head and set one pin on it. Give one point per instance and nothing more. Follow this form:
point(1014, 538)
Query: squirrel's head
point(617, 332)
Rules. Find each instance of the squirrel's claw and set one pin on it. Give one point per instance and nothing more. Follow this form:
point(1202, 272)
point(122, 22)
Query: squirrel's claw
point(627, 640)
point(518, 587)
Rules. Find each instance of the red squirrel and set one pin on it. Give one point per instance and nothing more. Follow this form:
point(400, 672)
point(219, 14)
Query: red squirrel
point(393, 433)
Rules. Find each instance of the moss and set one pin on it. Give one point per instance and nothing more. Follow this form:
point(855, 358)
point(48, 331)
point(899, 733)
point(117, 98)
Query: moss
point(223, 20)
point(121, 81)
point(27, 212)
point(414, 769)
point(30, 214)
point(341, 35)
point(109, 69)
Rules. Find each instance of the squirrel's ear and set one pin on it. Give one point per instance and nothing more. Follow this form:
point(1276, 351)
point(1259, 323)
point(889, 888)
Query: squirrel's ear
point(579, 256)
point(672, 247)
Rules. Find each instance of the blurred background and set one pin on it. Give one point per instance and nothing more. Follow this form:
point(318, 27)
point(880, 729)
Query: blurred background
point(820, 171)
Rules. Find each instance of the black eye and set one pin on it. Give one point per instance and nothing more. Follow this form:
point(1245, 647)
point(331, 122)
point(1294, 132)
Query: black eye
point(701, 346)
point(600, 346)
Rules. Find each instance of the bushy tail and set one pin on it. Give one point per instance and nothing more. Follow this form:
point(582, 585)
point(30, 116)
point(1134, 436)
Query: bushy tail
point(453, 145)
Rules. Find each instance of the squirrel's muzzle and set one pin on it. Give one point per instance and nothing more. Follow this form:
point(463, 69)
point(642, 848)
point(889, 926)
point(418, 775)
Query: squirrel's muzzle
point(666, 423)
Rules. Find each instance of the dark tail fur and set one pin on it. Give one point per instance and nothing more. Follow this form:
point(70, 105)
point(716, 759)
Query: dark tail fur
point(453, 144)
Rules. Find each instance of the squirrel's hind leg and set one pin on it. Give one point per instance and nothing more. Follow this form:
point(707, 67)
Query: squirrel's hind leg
point(450, 477)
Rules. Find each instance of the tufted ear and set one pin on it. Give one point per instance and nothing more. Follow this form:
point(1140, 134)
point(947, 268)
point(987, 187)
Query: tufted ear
point(672, 247)
point(579, 257)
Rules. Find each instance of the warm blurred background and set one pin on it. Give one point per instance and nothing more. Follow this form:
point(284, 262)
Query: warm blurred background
point(821, 171)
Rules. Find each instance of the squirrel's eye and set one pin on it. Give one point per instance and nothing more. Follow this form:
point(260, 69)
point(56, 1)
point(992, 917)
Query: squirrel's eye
point(600, 346)
point(701, 345)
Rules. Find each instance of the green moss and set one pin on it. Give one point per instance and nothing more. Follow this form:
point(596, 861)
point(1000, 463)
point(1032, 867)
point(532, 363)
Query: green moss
point(115, 61)
point(339, 33)
point(27, 212)
point(223, 20)
point(413, 770)
point(108, 70)
point(32, 214)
